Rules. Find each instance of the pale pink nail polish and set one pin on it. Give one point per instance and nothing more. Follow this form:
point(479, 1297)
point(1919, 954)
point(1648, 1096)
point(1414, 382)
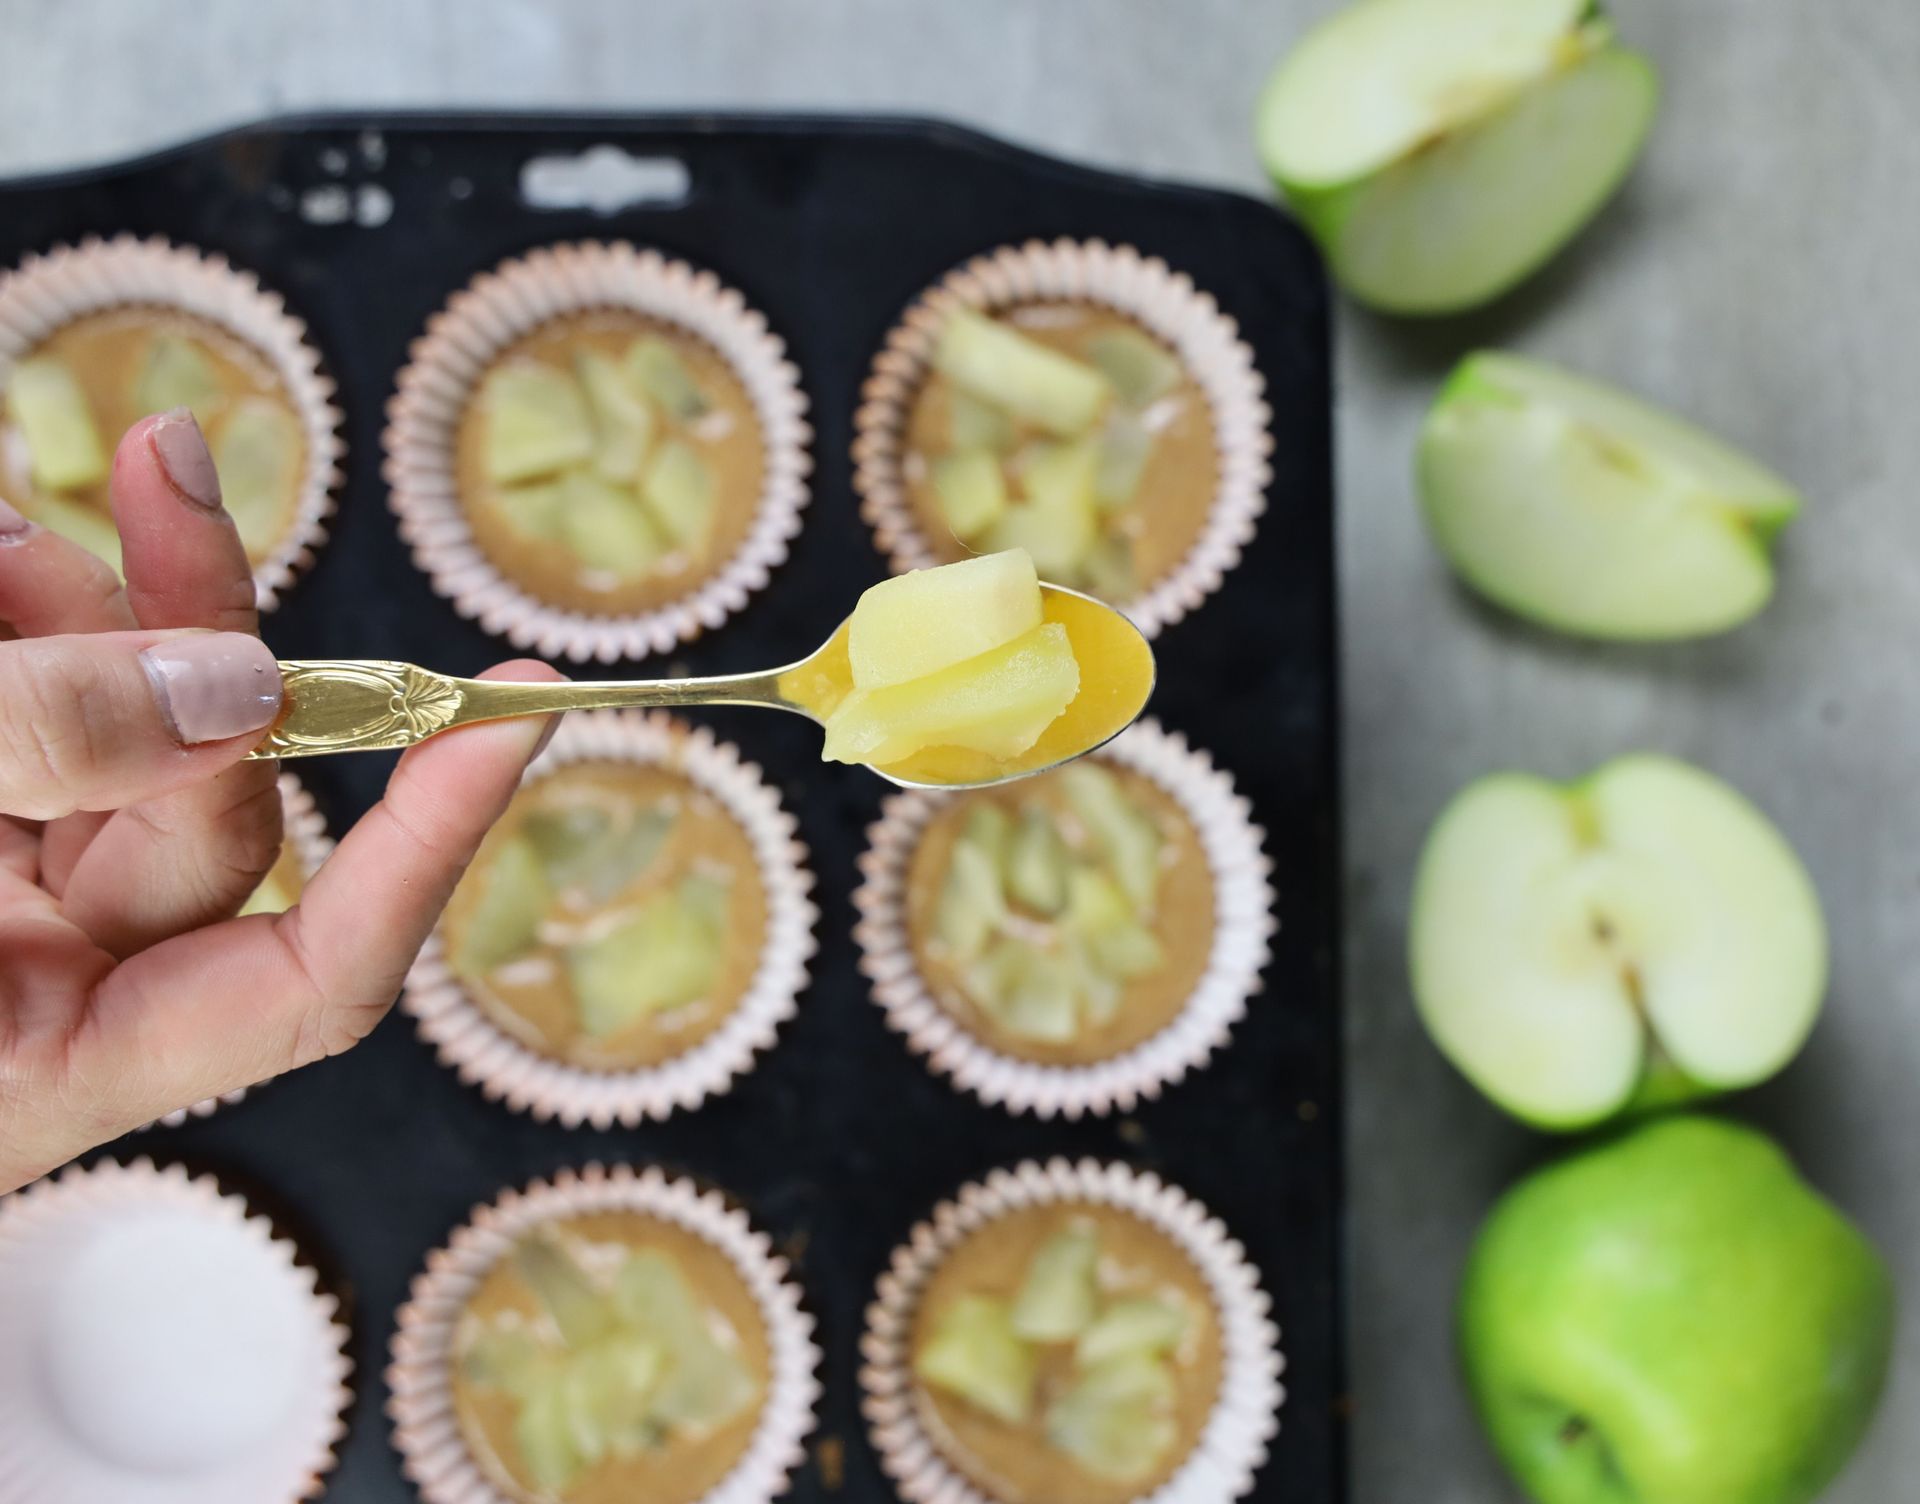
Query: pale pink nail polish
point(13, 527)
point(184, 458)
point(213, 686)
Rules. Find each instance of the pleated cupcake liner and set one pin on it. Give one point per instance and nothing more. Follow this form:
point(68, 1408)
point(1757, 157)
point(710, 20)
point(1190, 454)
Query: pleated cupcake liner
point(1143, 288)
point(506, 304)
point(1245, 1417)
point(509, 1071)
point(51, 289)
point(42, 1228)
point(1238, 951)
point(434, 1453)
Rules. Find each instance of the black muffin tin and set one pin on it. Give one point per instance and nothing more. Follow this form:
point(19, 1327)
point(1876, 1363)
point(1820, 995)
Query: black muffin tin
point(839, 1139)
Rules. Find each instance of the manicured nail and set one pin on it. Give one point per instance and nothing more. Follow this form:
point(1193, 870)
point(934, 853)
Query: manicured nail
point(183, 456)
point(214, 685)
point(13, 527)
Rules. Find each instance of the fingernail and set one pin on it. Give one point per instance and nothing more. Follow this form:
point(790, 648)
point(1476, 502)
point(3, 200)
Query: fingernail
point(13, 527)
point(214, 685)
point(183, 456)
point(546, 737)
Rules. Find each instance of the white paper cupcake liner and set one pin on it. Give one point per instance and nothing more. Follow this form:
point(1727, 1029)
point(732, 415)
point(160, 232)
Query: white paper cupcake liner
point(1243, 926)
point(485, 1055)
point(434, 1454)
point(56, 287)
point(42, 1461)
point(306, 833)
point(1145, 289)
point(506, 304)
point(1245, 1417)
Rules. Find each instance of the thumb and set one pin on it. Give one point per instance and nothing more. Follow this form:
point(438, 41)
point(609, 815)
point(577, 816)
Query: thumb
point(101, 721)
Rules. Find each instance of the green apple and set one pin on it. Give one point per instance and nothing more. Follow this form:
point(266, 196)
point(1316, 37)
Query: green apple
point(1673, 1316)
point(1637, 938)
point(1582, 508)
point(1442, 150)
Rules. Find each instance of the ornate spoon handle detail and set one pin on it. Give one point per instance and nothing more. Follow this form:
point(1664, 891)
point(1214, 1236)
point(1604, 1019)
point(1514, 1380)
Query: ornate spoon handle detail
point(370, 705)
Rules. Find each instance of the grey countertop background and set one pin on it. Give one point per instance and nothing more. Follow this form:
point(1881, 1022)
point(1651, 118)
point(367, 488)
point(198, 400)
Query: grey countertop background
point(1758, 273)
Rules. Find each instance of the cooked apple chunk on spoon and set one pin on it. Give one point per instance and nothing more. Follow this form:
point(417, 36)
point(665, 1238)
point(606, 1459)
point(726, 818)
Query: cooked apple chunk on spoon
point(1585, 509)
point(957, 677)
point(1640, 937)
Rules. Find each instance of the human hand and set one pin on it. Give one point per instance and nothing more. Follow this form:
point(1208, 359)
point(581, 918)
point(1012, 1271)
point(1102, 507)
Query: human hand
point(131, 832)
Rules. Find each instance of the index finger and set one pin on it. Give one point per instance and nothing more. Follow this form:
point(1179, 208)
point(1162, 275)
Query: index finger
point(184, 562)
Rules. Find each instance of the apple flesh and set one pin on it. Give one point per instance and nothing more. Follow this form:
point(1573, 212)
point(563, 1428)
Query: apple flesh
point(1674, 1316)
point(1442, 150)
point(1642, 937)
point(1585, 509)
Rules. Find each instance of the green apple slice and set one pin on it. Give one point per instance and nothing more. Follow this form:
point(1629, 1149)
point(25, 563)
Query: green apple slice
point(532, 510)
point(1141, 369)
point(665, 957)
point(1058, 522)
point(1124, 835)
point(1031, 381)
point(1646, 929)
point(537, 422)
point(610, 1388)
point(1037, 863)
point(1056, 1300)
point(509, 1358)
point(257, 450)
point(505, 923)
point(1138, 1325)
point(1030, 992)
point(973, 424)
point(1121, 452)
point(975, 1355)
point(57, 424)
point(1117, 1420)
point(704, 1384)
point(1104, 918)
point(972, 902)
point(656, 368)
point(578, 1310)
point(971, 490)
point(177, 373)
point(622, 420)
point(679, 493)
point(544, 1433)
point(1442, 150)
point(1578, 506)
point(605, 527)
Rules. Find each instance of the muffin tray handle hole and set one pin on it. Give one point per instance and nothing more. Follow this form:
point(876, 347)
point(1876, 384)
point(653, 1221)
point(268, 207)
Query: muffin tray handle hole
point(604, 179)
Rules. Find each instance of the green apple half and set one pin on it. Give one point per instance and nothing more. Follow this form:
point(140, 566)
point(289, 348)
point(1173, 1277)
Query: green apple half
point(1640, 937)
point(1582, 508)
point(1441, 150)
point(1674, 1316)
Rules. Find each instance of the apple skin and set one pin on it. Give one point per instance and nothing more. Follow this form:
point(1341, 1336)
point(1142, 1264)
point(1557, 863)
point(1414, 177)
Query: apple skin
point(1330, 211)
point(1673, 1316)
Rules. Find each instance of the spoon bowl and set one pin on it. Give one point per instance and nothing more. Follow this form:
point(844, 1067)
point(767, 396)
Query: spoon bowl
point(362, 705)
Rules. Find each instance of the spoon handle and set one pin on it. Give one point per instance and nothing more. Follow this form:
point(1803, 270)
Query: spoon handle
point(367, 705)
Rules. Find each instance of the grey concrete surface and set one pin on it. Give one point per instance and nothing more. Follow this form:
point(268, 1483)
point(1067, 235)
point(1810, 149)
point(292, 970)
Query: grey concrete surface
point(1758, 274)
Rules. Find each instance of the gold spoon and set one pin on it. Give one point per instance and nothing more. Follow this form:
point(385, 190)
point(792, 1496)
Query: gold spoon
point(366, 705)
